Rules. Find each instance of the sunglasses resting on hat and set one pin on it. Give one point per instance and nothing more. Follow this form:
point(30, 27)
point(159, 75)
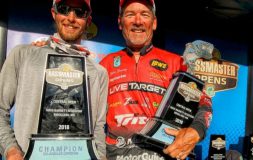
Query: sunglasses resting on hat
point(64, 9)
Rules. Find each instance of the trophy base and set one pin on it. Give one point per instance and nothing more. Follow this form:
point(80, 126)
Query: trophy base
point(59, 147)
point(148, 140)
point(157, 143)
point(153, 134)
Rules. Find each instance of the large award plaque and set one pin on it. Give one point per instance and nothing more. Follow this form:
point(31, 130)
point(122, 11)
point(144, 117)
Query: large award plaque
point(65, 123)
point(177, 110)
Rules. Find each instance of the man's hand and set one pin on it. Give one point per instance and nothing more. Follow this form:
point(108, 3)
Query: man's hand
point(14, 154)
point(185, 141)
point(39, 43)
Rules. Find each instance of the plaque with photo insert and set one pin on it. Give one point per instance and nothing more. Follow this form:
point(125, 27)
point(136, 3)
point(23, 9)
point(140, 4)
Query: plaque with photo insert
point(177, 110)
point(65, 122)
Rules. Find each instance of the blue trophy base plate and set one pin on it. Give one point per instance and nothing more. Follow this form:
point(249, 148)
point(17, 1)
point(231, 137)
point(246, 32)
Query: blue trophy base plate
point(61, 148)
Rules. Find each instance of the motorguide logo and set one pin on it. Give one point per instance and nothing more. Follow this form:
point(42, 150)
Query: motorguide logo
point(189, 91)
point(143, 156)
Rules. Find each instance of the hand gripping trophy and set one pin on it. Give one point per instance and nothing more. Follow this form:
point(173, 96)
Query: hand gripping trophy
point(181, 100)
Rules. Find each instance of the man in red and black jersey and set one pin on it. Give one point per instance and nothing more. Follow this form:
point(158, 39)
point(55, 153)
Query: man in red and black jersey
point(138, 78)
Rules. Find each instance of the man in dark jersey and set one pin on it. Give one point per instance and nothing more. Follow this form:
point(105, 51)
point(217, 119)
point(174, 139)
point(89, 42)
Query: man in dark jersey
point(138, 78)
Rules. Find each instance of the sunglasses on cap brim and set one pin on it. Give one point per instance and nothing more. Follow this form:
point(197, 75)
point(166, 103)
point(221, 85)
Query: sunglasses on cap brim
point(64, 9)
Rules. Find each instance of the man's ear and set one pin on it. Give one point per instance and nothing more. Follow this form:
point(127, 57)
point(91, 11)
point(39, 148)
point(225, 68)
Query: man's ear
point(53, 13)
point(119, 23)
point(155, 24)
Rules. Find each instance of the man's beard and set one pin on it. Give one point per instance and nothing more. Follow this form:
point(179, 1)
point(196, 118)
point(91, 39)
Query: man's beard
point(70, 37)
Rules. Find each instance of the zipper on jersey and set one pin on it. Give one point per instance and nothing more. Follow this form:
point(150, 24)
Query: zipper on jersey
point(146, 108)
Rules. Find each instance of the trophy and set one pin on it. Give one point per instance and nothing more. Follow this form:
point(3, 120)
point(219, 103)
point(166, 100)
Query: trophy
point(177, 110)
point(217, 147)
point(65, 123)
point(248, 147)
point(251, 147)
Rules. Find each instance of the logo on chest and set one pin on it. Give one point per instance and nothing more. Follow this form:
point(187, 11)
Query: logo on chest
point(159, 65)
point(116, 61)
point(130, 101)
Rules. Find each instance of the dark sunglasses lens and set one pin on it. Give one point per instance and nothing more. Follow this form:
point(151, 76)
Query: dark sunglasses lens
point(80, 12)
point(62, 9)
